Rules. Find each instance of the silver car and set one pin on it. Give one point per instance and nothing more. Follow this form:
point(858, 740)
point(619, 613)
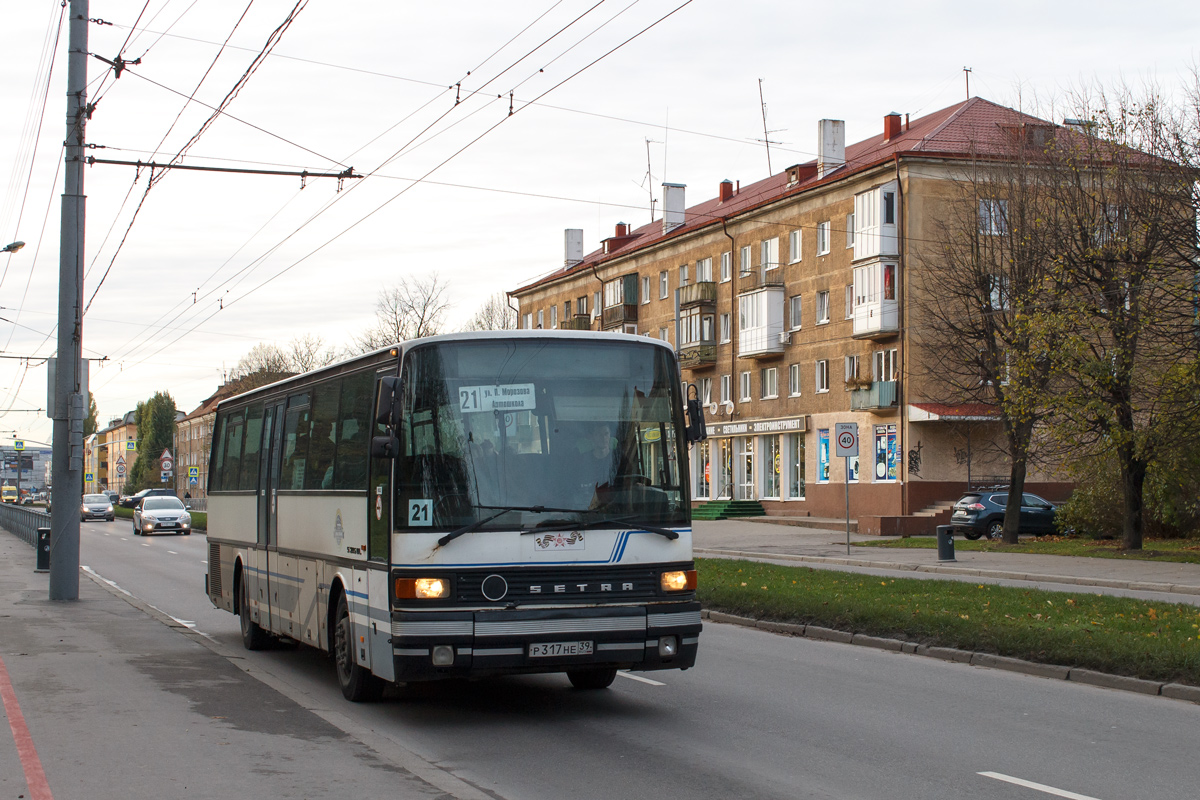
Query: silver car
point(96, 506)
point(161, 515)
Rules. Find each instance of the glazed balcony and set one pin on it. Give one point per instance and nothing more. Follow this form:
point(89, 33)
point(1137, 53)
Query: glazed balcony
point(875, 396)
point(698, 294)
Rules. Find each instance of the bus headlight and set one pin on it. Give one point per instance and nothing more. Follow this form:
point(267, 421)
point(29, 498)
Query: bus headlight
point(683, 580)
point(422, 588)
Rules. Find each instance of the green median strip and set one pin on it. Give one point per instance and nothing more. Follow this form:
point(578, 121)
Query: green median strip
point(1186, 551)
point(1120, 636)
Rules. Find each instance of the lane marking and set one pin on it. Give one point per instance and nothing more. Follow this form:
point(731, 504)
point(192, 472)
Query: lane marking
point(145, 544)
point(1041, 787)
point(35, 776)
point(124, 538)
point(639, 678)
point(172, 552)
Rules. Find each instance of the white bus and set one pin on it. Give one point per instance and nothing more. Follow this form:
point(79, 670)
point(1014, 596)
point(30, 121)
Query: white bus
point(465, 505)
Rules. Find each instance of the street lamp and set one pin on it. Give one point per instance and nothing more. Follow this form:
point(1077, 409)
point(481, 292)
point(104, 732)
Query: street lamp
point(13, 247)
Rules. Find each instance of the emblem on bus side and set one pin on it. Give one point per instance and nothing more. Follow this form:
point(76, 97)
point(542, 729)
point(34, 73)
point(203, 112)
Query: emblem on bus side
point(559, 541)
point(339, 532)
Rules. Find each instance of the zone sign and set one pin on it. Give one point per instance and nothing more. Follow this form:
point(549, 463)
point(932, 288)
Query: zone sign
point(846, 439)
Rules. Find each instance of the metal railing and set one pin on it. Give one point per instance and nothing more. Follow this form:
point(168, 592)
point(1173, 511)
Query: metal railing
point(23, 522)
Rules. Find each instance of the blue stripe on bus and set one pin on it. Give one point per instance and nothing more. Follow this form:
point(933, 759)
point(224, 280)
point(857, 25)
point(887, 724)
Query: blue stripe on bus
point(279, 575)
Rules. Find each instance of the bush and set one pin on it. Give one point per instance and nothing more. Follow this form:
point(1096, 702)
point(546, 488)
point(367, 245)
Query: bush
point(1171, 503)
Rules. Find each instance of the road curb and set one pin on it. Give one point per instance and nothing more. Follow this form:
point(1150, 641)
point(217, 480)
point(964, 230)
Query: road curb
point(979, 572)
point(1172, 691)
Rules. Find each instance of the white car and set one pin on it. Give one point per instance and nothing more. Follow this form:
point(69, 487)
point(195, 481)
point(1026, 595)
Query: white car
point(161, 515)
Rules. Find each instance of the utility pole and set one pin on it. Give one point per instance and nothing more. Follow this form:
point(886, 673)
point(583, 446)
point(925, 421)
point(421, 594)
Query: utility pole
point(67, 407)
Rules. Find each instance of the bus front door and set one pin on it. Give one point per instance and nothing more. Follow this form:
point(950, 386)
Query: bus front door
point(268, 490)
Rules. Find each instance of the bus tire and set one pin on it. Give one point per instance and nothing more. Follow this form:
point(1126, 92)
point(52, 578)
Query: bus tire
point(358, 684)
point(592, 678)
point(253, 636)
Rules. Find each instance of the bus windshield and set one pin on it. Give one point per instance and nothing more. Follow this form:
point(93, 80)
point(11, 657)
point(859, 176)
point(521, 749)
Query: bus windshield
point(523, 433)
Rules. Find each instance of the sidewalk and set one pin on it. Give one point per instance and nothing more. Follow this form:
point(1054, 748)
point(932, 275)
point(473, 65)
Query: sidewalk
point(104, 697)
point(789, 544)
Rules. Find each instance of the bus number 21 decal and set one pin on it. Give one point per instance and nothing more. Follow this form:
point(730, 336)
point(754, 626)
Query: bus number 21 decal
point(420, 513)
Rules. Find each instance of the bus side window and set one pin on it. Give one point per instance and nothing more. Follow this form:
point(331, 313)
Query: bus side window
point(323, 439)
point(252, 448)
point(235, 425)
point(295, 446)
point(354, 427)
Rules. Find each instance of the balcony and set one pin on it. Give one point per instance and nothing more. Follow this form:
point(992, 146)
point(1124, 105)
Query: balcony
point(760, 316)
point(753, 281)
point(579, 322)
point(697, 294)
point(878, 395)
point(697, 356)
point(619, 315)
point(877, 320)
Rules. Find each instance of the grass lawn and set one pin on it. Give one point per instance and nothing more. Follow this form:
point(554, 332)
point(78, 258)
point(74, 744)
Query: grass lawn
point(1117, 635)
point(1183, 550)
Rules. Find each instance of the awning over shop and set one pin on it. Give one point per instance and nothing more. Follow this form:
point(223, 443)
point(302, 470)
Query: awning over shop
point(940, 412)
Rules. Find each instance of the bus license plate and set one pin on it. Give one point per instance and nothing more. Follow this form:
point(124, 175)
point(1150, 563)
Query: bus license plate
point(543, 649)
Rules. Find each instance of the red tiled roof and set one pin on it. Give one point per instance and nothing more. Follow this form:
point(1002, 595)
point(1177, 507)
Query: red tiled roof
point(972, 126)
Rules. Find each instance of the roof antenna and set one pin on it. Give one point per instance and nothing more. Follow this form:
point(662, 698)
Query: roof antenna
point(967, 75)
point(648, 178)
point(766, 140)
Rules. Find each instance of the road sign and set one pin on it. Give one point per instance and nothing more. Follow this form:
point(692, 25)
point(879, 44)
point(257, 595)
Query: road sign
point(193, 472)
point(846, 439)
point(166, 454)
point(88, 477)
point(193, 481)
point(131, 445)
point(18, 444)
point(166, 476)
point(121, 460)
point(120, 468)
point(167, 465)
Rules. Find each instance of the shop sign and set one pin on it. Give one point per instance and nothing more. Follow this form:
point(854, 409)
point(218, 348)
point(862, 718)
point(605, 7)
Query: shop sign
point(758, 426)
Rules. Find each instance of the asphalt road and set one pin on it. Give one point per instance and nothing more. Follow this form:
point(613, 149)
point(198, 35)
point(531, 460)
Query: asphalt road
point(760, 716)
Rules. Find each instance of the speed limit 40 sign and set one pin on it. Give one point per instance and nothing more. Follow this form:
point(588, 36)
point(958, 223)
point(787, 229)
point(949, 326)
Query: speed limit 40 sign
point(846, 439)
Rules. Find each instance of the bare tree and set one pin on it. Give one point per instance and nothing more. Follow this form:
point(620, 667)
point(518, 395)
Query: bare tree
point(494, 315)
point(410, 309)
point(262, 358)
point(308, 352)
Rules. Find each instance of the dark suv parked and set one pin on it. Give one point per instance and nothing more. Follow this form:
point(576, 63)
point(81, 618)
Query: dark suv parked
point(982, 514)
point(129, 501)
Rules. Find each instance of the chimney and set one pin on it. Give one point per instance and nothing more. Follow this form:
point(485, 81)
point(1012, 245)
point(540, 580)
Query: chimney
point(572, 247)
point(673, 206)
point(831, 145)
point(622, 229)
point(891, 126)
point(726, 190)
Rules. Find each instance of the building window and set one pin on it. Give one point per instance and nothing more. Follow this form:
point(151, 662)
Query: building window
point(823, 455)
point(889, 208)
point(850, 301)
point(541, 318)
point(850, 230)
point(822, 379)
point(554, 316)
point(527, 321)
point(796, 466)
point(695, 327)
point(771, 465)
point(793, 380)
point(703, 470)
point(769, 380)
point(645, 289)
point(706, 391)
point(993, 216)
point(744, 381)
point(566, 312)
point(683, 274)
point(770, 253)
point(581, 305)
point(822, 238)
point(794, 312)
point(745, 266)
point(614, 291)
point(726, 328)
point(704, 270)
point(726, 266)
point(662, 285)
point(886, 453)
point(852, 365)
point(794, 252)
point(883, 365)
point(726, 385)
point(822, 307)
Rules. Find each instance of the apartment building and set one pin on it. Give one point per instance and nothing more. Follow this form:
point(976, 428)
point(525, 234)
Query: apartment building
point(789, 301)
point(114, 450)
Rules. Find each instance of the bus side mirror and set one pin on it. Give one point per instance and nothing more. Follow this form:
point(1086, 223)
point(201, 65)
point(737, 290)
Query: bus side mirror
point(387, 402)
point(385, 447)
point(697, 430)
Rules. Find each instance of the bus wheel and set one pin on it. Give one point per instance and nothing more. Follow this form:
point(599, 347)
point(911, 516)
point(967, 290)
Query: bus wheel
point(592, 678)
point(253, 636)
point(358, 684)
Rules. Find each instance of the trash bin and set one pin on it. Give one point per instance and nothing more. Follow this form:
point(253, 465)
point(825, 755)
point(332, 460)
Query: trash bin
point(945, 542)
point(43, 550)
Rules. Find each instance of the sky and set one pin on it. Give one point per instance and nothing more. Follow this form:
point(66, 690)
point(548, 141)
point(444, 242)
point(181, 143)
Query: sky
point(609, 99)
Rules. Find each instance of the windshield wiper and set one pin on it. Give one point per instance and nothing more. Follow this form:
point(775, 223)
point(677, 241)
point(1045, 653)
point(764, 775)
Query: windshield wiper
point(667, 532)
point(479, 523)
